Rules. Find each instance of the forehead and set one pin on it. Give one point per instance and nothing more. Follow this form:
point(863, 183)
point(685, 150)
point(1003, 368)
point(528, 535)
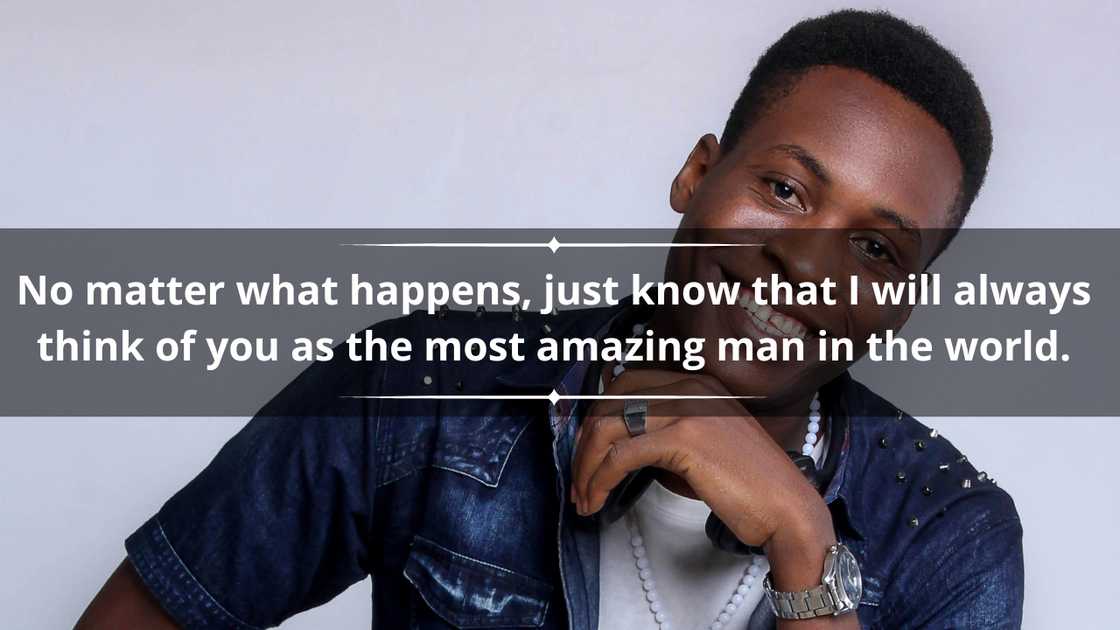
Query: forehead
point(880, 149)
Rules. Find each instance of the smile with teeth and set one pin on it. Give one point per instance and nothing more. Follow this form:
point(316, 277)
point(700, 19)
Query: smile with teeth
point(770, 321)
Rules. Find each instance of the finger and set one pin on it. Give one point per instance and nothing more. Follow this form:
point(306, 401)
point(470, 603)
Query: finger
point(600, 430)
point(652, 449)
point(620, 385)
point(663, 413)
point(603, 423)
point(582, 431)
point(604, 419)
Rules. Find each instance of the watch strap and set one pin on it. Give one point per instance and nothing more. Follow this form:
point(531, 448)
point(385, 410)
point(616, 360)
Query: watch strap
point(815, 602)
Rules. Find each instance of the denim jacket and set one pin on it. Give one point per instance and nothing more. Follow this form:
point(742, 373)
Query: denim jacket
point(456, 507)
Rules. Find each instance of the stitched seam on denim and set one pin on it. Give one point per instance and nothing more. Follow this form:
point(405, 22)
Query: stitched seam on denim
point(563, 489)
point(409, 459)
point(466, 563)
point(544, 585)
point(498, 476)
point(198, 584)
point(978, 529)
point(472, 620)
point(465, 474)
point(509, 451)
point(399, 476)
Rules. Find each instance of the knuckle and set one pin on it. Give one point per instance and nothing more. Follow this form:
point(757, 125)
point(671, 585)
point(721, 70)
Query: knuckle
point(613, 455)
point(695, 387)
point(686, 430)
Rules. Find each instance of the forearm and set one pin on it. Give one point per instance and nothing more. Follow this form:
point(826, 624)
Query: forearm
point(124, 602)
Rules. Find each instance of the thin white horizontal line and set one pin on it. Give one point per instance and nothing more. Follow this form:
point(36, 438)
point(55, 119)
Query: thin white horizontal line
point(546, 397)
point(549, 246)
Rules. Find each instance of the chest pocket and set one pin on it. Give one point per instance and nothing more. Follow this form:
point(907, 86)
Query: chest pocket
point(469, 593)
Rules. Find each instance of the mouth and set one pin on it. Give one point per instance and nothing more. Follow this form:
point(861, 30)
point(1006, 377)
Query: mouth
point(769, 321)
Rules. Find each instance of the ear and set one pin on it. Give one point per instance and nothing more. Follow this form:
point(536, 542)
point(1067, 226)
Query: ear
point(703, 157)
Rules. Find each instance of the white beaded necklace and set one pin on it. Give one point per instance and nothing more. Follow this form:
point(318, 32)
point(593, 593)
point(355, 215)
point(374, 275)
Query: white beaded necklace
point(754, 572)
point(750, 579)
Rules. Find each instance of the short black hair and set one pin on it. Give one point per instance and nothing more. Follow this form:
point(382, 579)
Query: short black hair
point(893, 51)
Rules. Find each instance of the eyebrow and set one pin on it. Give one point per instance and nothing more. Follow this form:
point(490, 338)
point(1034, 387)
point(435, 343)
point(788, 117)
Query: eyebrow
point(906, 224)
point(806, 159)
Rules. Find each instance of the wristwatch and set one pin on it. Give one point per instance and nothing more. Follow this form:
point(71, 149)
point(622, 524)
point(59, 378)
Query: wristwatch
point(840, 590)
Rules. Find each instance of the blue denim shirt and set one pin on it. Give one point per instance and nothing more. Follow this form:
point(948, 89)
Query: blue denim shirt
point(457, 508)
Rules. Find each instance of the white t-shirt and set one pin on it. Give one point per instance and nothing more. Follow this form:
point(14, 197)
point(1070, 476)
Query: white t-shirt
point(694, 579)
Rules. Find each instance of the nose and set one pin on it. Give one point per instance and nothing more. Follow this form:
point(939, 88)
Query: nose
point(802, 254)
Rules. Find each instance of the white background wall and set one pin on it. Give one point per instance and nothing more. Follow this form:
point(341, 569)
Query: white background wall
point(497, 114)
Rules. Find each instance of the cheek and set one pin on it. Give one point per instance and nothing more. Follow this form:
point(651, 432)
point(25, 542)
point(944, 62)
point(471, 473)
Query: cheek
point(869, 318)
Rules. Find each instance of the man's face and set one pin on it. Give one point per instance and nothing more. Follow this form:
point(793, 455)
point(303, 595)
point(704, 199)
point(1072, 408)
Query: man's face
point(843, 176)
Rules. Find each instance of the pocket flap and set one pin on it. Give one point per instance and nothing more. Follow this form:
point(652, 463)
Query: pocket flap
point(469, 593)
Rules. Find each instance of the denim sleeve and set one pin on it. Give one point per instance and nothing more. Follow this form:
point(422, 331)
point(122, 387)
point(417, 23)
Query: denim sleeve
point(972, 579)
point(278, 522)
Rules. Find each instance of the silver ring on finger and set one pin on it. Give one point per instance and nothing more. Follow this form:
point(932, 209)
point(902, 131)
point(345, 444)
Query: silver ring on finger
point(634, 415)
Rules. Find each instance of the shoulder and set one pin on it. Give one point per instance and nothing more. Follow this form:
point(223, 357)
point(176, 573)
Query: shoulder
point(915, 494)
point(934, 522)
point(921, 472)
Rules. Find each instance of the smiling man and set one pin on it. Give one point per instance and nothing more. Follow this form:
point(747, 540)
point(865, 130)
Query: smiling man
point(856, 148)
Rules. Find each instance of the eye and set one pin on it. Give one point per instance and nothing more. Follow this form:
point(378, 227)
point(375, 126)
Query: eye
point(785, 193)
point(874, 249)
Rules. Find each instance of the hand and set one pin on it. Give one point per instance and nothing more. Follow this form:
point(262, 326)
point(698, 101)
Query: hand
point(720, 450)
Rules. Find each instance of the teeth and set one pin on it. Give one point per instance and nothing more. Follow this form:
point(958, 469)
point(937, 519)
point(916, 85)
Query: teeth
point(782, 323)
point(771, 321)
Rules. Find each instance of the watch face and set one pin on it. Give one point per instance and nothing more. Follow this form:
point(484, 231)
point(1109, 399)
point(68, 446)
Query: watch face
point(851, 583)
